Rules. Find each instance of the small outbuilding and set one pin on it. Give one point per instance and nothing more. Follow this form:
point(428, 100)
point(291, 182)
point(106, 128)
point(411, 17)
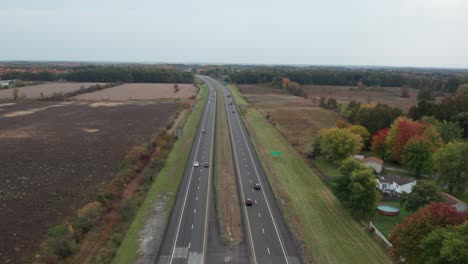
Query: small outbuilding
point(459, 205)
point(374, 163)
point(395, 183)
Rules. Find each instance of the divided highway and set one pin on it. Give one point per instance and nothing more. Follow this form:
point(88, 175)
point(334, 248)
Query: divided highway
point(267, 235)
point(186, 233)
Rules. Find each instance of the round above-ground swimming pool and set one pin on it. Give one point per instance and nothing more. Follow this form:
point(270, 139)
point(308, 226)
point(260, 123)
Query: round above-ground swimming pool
point(388, 210)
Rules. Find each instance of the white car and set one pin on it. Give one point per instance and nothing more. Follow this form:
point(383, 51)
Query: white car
point(196, 164)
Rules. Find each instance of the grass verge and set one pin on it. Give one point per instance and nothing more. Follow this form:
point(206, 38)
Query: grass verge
point(314, 214)
point(166, 183)
point(327, 167)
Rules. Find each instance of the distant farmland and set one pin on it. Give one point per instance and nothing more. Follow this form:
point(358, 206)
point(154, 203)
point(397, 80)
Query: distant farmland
point(46, 90)
point(141, 91)
point(56, 156)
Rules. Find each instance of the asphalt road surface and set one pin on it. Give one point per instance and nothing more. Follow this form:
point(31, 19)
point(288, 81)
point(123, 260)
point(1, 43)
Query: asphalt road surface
point(192, 221)
point(186, 233)
point(267, 235)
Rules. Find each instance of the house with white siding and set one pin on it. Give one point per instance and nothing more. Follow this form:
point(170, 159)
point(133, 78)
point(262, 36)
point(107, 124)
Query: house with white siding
point(395, 183)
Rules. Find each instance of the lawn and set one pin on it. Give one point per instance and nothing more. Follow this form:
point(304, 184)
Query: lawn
point(386, 223)
point(327, 167)
point(166, 183)
point(313, 213)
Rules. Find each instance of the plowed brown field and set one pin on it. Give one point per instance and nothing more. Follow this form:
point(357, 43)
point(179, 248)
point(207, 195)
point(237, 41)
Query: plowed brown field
point(46, 89)
point(55, 157)
point(141, 91)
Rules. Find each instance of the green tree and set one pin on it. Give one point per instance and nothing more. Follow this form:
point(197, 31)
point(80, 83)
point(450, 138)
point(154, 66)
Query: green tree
point(425, 94)
point(451, 163)
point(376, 117)
point(423, 193)
point(349, 165)
point(446, 245)
point(417, 156)
point(449, 131)
point(338, 143)
point(357, 187)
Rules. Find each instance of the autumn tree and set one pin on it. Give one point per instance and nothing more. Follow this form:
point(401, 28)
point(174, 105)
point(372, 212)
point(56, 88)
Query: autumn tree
point(446, 245)
point(451, 164)
point(176, 88)
point(379, 145)
point(417, 156)
point(422, 194)
point(362, 132)
point(403, 129)
point(15, 94)
point(407, 237)
point(338, 143)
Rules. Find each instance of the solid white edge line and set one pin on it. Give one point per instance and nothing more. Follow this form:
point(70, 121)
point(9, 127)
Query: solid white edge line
point(268, 204)
point(190, 180)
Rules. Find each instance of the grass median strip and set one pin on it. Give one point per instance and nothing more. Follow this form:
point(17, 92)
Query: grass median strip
point(226, 195)
point(313, 213)
point(165, 185)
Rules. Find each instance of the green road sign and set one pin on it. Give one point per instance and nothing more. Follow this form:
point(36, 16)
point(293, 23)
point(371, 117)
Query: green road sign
point(276, 153)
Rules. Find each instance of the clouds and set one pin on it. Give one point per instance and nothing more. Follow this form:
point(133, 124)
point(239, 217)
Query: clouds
point(362, 32)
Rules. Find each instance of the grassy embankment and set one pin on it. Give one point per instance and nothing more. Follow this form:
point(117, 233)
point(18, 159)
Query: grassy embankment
point(165, 184)
point(225, 184)
point(313, 213)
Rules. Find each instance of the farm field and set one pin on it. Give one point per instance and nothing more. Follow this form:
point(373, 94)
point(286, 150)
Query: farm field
point(141, 91)
point(344, 94)
point(298, 119)
point(56, 156)
point(46, 89)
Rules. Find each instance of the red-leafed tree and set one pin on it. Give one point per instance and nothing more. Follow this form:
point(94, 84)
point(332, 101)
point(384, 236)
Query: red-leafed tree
point(379, 145)
point(403, 129)
point(407, 237)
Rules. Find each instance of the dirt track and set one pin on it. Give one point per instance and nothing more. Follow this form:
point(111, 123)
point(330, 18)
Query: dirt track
point(55, 157)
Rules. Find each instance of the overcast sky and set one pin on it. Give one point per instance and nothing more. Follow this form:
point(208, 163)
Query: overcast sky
point(428, 33)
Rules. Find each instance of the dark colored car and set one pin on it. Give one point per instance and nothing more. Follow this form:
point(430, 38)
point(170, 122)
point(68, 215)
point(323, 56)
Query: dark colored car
point(257, 186)
point(248, 202)
point(206, 165)
point(203, 131)
point(233, 111)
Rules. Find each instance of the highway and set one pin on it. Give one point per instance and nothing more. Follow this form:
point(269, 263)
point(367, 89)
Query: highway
point(186, 234)
point(267, 235)
point(193, 222)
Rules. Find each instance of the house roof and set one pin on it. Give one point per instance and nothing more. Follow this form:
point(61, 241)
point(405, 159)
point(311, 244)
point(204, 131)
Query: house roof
point(451, 200)
point(373, 159)
point(393, 178)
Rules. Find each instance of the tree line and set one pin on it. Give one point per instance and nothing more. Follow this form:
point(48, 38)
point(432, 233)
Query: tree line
point(106, 74)
point(384, 78)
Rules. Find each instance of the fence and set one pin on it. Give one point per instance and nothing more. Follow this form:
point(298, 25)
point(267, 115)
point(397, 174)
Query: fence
point(379, 234)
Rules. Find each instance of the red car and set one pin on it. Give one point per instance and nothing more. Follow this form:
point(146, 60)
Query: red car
point(248, 202)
